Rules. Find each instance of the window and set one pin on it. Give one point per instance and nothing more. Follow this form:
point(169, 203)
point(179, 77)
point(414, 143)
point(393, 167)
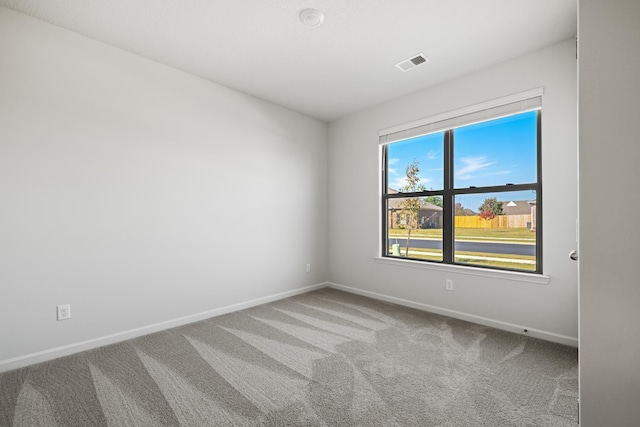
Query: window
point(466, 189)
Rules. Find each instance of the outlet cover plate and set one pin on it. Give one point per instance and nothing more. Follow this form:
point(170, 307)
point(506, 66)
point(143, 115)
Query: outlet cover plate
point(64, 312)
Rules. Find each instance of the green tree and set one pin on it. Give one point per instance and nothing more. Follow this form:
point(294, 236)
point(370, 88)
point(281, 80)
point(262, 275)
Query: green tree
point(434, 200)
point(489, 209)
point(492, 204)
point(410, 206)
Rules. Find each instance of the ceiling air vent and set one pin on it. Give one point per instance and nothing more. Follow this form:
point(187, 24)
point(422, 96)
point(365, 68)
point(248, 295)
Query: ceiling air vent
point(412, 62)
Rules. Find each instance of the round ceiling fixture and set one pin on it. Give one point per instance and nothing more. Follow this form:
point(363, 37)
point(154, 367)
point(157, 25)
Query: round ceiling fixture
point(311, 17)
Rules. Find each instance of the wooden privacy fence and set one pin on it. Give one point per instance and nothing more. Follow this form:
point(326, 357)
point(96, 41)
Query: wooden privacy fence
point(501, 221)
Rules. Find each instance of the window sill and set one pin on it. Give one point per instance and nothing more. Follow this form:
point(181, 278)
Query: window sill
point(538, 279)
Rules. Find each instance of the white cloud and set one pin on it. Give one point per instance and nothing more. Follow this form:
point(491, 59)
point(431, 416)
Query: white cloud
point(390, 170)
point(400, 181)
point(397, 183)
point(471, 166)
point(432, 155)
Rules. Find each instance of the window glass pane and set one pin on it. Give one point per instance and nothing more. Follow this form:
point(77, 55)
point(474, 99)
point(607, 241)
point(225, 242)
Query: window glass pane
point(497, 152)
point(427, 153)
point(496, 230)
point(414, 227)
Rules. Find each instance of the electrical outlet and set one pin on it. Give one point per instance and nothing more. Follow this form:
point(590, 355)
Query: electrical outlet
point(308, 268)
point(64, 312)
point(449, 284)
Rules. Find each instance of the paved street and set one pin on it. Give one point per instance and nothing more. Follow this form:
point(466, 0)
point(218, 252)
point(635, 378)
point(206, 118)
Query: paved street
point(482, 247)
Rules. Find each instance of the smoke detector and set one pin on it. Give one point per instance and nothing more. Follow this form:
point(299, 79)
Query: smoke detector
point(311, 17)
point(413, 62)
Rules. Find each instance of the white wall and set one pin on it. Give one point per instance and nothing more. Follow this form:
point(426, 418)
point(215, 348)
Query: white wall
point(549, 311)
point(609, 128)
point(140, 194)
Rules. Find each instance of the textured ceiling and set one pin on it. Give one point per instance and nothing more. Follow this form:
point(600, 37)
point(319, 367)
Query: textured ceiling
point(343, 66)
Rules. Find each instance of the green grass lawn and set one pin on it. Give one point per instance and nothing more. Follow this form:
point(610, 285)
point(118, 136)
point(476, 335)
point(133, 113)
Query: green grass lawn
point(487, 260)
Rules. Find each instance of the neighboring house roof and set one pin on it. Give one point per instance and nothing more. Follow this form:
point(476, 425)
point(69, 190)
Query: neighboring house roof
point(395, 203)
point(465, 212)
point(429, 206)
point(516, 207)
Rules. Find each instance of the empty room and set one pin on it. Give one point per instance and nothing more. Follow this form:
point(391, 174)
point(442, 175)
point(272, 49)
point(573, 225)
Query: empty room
point(319, 213)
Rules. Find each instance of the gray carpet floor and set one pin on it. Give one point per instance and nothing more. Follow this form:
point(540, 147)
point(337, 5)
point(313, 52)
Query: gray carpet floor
point(326, 358)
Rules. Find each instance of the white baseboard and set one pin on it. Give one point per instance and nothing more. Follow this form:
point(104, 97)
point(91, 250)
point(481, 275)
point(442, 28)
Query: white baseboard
point(536, 333)
point(54, 353)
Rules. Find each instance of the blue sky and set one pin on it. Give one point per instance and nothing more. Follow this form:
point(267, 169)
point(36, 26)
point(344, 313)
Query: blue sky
point(491, 153)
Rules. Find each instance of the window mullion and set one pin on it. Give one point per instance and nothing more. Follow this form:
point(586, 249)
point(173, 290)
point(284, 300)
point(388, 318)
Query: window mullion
point(385, 201)
point(496, 189)
point(448, 211)
point(539, 193)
